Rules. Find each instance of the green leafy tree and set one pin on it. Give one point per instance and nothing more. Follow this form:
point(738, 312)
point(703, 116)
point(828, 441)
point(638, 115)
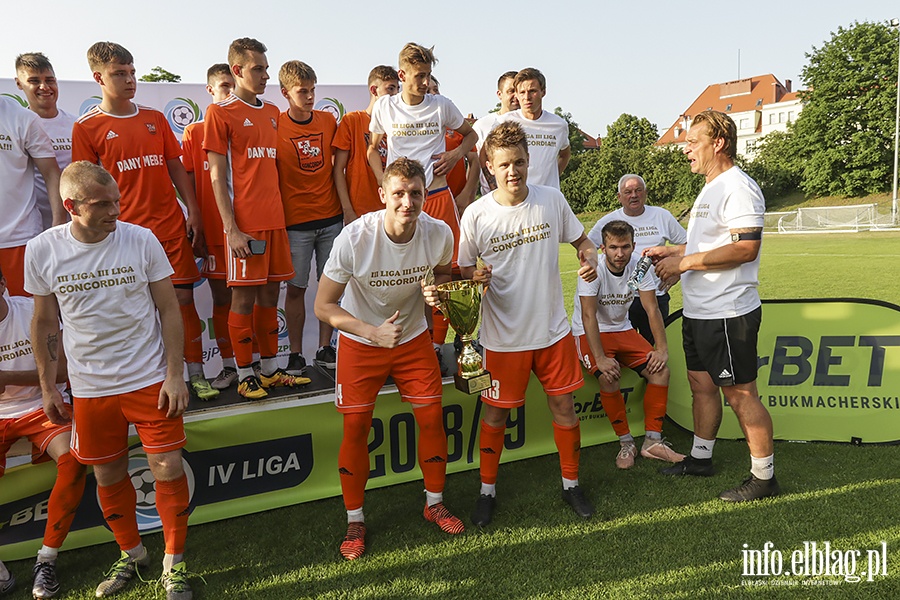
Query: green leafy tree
point(160, 74)
point(629, 147)
point(776, 166)
point(630, 132)
point(576, 138)
point(844, 135)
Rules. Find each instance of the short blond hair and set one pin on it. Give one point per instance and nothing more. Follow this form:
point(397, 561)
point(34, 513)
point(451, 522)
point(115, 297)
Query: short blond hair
point(382, 73)
point(294, 72)
point(508, 134)
point(107, 53)
point(415, 54)
point(80, 180)
point(240, 50)
point(405, 168)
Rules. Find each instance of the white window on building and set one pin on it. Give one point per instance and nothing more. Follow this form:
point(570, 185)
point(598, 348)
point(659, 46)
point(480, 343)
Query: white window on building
point(791, 116)
point(781, 117)
point(771, 118)
point(745, 123)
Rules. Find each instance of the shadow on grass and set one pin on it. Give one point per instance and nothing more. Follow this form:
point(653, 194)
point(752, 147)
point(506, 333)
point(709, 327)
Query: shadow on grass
point(653, 536)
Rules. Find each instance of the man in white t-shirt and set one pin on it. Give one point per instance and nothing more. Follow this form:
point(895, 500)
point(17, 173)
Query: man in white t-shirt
point(606, 339)
point(22, 416)
point(653, 226)
point(719, 270)
point(548, 134)
point(25, 145)
point(517, 230)
point(506, 94)
point(110, 283)
point(414, 122)
point(372, 291)
point(37, 80)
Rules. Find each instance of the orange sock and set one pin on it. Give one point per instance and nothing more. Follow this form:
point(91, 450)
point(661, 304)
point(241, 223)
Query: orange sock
point(353, 458)
point(173, 506)
point(432, 446)
point(240, 329)
point(568, 443)
point(441, 324)
point(119, 504)
point(491, 444)
point(220, 330)
point(64, 500)
point(193, 337)
point(265, 324)
point(655, 399)
point(614, 405)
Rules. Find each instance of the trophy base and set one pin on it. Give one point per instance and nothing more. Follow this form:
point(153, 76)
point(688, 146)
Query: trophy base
point(473, 385)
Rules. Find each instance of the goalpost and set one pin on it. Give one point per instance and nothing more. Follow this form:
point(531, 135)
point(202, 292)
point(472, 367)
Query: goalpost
point(825, 219)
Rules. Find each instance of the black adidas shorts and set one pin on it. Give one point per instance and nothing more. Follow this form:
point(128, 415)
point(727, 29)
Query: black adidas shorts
point(724, 348)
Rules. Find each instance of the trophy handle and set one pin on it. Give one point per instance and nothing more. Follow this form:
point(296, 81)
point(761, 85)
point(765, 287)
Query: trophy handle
point(429, 280)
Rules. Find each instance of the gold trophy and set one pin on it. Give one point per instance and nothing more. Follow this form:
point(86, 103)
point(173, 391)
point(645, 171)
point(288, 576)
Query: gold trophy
point(460, 302)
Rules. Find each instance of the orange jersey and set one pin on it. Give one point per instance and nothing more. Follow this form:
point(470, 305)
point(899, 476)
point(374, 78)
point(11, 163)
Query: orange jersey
point(134, 150)
point(194, 159)
point(456, 178)
point(353, 136)
point(247, 136)
point(305, 168)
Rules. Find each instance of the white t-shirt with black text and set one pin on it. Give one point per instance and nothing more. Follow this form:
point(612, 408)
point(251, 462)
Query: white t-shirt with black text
point(112, 335)
point(523, 308)
point(21, 139)
point(730, 201)
point(416, 132)
point(383, 276)
point(59, 128)
point(547, 136)
point(613, 295)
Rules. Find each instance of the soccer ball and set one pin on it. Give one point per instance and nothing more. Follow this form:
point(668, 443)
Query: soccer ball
point(182, 115)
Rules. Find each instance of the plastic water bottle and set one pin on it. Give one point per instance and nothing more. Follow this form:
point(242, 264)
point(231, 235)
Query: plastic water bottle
point(639, 271)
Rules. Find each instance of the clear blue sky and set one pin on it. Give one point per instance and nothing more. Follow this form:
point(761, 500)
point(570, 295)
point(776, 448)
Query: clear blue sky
point(601, 58)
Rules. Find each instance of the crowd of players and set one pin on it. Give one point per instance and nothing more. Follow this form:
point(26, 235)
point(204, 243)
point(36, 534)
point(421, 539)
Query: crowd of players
point(99, 265)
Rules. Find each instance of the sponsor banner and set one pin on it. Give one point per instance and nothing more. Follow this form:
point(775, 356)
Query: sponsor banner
point(185, 103)
point(264, 455)
point(828, 370)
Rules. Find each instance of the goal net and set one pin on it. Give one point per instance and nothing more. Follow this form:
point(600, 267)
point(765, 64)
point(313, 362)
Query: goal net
point(814, 219)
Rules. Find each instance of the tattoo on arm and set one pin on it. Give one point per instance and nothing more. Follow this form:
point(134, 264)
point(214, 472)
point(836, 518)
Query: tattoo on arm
point(52, 345)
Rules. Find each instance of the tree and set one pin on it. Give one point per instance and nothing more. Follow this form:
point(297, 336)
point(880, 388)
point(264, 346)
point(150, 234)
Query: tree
point(844, 135)
point(631, 132)
point(576, 138)
point(776, 166)
point(160, 74)
point(629, 147)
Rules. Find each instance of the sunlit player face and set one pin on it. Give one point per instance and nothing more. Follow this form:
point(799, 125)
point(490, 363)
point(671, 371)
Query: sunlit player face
point(301, 96)
point(701, 149)
point(96, 217)
point(118, 79)
point(510, 167)
point(253, 74)
point(416, 79)
point(386, 88)
point(403, 199)
point(221, 87)
point(507, 96)
point(618, 251)
point(633, 197)
point(40, 88)
point(530, 96)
